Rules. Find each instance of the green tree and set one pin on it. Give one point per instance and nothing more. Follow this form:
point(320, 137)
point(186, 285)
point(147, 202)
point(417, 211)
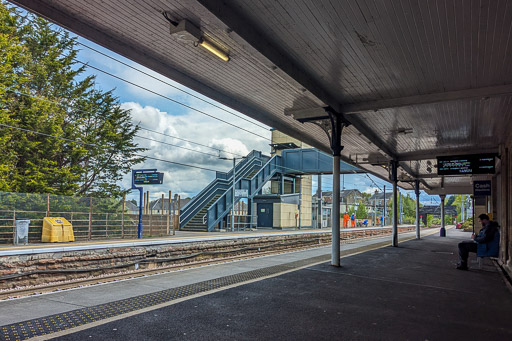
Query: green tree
point(361, 212)
point(44, 90)
point(11, 58)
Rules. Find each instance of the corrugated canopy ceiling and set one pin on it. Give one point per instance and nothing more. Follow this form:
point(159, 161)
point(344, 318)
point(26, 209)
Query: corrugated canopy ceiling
point(416, 79)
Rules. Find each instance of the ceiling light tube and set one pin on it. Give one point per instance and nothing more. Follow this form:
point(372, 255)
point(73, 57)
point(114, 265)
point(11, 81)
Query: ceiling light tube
point(214, 49)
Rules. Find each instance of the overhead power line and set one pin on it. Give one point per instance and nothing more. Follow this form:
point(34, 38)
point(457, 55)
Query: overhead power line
point(171, 99)
point(174, 145)
point(189, 141)
point(160, 80)
point(141, 127)
point(171, 85)
point(95, 145)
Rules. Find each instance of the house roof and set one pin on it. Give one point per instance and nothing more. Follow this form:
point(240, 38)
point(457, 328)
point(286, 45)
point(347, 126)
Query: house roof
point(380, 196)
point(344, 193)
point(157, 204)
point(130, 206)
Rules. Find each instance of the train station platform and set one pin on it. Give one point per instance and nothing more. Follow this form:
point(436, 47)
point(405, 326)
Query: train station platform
point(179, 238)
point(409, 292)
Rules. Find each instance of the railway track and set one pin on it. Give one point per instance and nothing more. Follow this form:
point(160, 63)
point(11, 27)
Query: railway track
point(132, 274)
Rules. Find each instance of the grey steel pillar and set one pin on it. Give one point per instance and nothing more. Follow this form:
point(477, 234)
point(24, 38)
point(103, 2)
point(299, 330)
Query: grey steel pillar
point(300, 201)
point(394, 179)
point(399, 208)
point(233, 197)
point(319, 196)
point(375, 209)
point(384, 211)
point(417, 192)
point(462, 213)
point(337, 123)
point(442, 233)
point(332, 124)
point(335, 257)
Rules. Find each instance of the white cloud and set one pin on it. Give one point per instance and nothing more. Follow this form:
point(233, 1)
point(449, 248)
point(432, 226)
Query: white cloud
point(191, 126)
point(370, 190)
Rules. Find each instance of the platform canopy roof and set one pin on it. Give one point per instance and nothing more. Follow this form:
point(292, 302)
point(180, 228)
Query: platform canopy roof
point(416, 79)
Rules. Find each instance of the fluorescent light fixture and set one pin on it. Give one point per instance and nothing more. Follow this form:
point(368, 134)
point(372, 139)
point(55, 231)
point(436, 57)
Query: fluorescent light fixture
point(187, 32)
point(307, 115)
point(214, 49)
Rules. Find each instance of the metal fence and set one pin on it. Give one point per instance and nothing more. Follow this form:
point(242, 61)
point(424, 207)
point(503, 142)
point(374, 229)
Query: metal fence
point(92, 218)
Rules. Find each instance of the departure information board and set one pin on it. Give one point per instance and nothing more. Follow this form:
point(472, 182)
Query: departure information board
point(150, 178)
point(466, 164)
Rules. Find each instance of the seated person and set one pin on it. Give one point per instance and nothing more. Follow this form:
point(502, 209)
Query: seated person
point(485, 244)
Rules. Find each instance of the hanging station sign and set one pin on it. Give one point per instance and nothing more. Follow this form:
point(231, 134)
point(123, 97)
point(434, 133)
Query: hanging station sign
point(149, 178)
point(482, 188)
point(466, 164)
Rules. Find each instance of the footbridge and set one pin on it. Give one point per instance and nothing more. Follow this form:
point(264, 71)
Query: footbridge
point(215, 202)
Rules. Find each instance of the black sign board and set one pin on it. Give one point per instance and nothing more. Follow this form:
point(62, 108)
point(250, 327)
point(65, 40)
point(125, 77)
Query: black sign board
point(482, 187)
point(466, 164)
point(150, 178)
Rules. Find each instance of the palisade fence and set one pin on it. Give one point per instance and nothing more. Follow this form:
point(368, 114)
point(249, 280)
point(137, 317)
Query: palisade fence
point(92, 218)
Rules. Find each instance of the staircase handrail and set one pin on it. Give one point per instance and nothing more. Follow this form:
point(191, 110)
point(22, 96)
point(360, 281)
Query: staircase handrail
point(201, 199)
point(275, 160)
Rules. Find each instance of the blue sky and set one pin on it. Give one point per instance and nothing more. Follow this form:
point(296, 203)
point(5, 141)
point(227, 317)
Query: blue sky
point(160, 114)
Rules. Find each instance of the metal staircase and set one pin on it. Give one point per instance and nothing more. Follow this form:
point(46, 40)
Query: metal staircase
point(214, 203)
point(192, 216)
point(222, 206)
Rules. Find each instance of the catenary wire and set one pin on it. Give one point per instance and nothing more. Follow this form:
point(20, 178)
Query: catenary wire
point(184, 91)
point(170, 99)
point(153, 77)
point(220, 150)
point(174, 145)
point(141, 127)
point(171, 85)
point(189, 141)
point(95, 145)
point(64, 105)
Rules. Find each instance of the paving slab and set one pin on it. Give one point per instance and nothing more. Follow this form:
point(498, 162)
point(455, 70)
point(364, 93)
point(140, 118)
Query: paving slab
point(412, 292)
point(58, 302)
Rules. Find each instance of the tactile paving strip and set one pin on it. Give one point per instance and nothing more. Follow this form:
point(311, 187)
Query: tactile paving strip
point(58, 322)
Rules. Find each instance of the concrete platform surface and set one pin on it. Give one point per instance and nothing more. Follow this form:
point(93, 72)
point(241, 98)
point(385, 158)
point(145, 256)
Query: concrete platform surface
point(28, 308)
point(411, 292)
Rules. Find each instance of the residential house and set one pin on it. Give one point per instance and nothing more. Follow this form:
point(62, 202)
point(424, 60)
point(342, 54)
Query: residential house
point(155, 206)
point(348, 198)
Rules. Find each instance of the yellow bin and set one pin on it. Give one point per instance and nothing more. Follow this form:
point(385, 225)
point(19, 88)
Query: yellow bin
point(57, 229)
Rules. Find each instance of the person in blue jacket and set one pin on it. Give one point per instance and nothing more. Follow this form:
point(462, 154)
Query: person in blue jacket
point(485, 244)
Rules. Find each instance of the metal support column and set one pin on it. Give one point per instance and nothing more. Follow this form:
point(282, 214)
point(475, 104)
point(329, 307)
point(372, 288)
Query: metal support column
point(249, 214)
point(375, 209)
point(332, 124)
point(384, 209)
point(319, 201)
point(417, 192)
point(335, 254)
point(462, 213)
point(442, 232)
point(333, 128)
point(300, 202)
point(233, 197)
point(394, 179)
